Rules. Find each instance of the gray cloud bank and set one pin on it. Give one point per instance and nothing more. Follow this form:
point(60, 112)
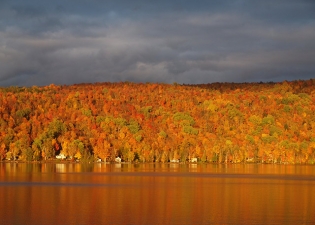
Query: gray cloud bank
point(67, 42)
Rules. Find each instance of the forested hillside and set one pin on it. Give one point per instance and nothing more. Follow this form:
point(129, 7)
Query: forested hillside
point(217, 123)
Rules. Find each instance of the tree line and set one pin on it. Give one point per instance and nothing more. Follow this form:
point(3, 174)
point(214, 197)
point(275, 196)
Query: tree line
point(150, 122)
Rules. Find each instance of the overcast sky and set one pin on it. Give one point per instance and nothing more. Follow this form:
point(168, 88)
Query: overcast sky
point(166, 41)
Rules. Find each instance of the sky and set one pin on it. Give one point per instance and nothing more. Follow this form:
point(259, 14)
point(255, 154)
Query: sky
point(166, 41)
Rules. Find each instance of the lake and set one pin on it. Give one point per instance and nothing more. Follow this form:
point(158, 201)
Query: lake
point(73, 193)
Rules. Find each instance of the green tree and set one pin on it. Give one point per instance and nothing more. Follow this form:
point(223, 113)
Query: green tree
point(56, 128)
point(47, 148)
point(37, 146)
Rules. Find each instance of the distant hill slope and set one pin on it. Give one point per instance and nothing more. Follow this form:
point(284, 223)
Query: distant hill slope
point(219, 122)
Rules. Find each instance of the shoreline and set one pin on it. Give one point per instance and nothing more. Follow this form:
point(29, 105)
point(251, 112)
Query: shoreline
point(137, 163)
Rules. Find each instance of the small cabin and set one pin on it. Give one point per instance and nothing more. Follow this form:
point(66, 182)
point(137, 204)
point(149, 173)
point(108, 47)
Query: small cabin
point(118, 159)
point(174, 160)
point(61, 156)
point(193, 160)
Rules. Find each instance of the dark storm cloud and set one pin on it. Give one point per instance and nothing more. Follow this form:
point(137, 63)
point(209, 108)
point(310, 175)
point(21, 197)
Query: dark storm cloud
point(65, 42)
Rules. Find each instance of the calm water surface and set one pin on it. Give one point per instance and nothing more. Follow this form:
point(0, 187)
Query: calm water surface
point(65, 193)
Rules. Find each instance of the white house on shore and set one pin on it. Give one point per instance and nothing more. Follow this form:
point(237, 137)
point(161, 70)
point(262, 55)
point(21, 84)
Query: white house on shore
point(194, 160)
point(174, 160)
point(61, 156)
point(118, 160)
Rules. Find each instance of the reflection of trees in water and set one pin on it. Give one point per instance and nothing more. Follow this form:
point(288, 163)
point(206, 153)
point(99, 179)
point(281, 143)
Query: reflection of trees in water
point(87, 167)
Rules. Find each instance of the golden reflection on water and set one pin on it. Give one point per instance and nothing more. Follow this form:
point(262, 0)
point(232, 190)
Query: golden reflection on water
point(66, 193)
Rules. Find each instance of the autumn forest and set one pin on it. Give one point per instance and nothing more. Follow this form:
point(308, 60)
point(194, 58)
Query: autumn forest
point(213, 123)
